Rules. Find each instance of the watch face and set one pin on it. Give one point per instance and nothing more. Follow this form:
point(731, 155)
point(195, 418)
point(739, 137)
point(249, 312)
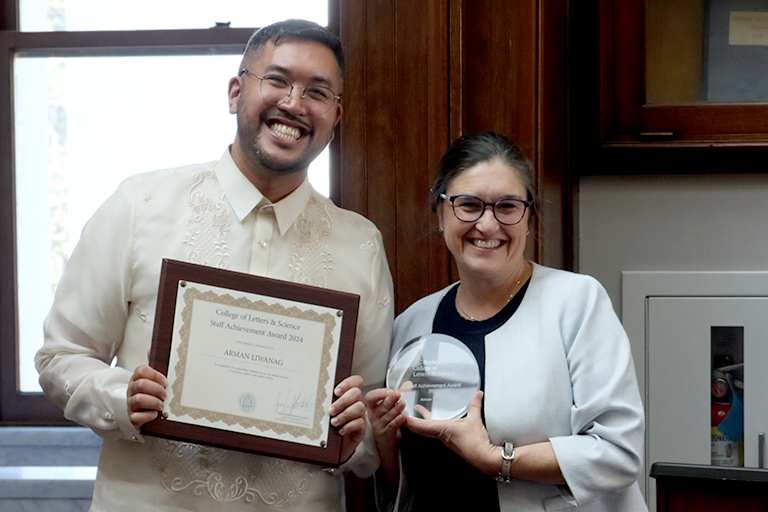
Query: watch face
point(437, 376)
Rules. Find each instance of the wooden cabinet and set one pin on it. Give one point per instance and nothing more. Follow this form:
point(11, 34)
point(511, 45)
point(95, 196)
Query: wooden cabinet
point(676, 74)
point(693, 488)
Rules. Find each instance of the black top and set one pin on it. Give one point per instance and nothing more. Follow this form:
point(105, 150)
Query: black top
point(439, 478)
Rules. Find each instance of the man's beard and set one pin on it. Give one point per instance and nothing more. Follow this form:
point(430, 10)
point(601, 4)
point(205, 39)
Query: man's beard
point(250, 141)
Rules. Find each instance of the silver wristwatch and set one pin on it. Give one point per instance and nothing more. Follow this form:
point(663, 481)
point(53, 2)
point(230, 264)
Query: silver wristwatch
point(507, 456)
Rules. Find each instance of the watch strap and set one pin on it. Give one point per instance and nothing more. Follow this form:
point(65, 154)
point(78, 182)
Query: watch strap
point(507, 456)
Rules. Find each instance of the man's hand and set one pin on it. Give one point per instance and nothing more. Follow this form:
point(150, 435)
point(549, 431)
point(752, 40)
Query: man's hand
point(348, 413)
point(146, 392)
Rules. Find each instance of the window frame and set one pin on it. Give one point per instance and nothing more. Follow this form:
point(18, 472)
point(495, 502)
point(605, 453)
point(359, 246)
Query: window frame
point(25, 408)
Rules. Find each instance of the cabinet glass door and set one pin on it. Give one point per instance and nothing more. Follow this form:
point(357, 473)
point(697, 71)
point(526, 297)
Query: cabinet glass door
point(688, 73)
point(706, 51)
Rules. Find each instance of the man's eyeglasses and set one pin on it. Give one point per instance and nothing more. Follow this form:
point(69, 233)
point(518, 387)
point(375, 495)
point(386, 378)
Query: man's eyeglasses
point(471, 208)
point(276, 89)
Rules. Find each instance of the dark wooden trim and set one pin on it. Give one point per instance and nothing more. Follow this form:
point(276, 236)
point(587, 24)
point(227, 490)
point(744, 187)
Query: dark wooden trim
point(456, 71)
point(604, 132)
point(137, 42)
point(628, 120)
point(9, 15)
point(555, 238)
point(334, 187)
point(394, 129)
point(705, 159)
point(711, 122)
point(600, 52)
point(8, 309)
point(381, 83)
point(628, 64)
point(351, 131)
point(15, 407)
point(422, 117)
point(456, 99)
point(692, 487)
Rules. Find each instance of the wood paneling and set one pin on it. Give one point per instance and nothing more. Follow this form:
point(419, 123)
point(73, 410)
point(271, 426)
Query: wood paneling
point(556, 235)
point(499, 50)
point(420, 74)
point(500, 69)
point(394, 130)
point(513, 68)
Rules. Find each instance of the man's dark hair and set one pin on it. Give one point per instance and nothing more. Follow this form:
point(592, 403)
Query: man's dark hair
point(302, 30)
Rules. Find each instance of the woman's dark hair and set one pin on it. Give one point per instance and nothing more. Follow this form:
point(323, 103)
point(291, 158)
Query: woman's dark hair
point(301, 30)
point(475, 148)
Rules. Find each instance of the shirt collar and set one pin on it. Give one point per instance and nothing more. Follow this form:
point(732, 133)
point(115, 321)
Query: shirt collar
point(243, 196)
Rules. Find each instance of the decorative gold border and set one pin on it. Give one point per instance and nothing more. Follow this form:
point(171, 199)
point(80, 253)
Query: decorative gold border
point(190, 295)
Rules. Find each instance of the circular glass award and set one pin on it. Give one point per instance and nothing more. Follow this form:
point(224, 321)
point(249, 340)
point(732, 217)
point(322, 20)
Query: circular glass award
point(437, 376)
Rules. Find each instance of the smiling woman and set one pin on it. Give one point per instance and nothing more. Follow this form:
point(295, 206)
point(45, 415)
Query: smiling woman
point(488, 253)
point(571, 421)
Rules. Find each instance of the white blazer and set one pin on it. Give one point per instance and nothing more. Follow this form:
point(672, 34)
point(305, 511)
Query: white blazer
point(560, 369)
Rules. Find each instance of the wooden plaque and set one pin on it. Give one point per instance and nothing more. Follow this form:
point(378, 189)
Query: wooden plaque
point(252, 362)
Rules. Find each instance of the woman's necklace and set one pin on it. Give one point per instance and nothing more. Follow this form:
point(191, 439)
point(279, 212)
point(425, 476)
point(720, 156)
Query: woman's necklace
point(469, 317)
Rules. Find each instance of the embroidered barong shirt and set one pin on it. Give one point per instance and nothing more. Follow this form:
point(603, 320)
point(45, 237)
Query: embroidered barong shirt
point(208, 214)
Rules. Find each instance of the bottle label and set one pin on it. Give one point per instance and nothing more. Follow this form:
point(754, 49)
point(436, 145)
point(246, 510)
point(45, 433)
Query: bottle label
point(725, 452)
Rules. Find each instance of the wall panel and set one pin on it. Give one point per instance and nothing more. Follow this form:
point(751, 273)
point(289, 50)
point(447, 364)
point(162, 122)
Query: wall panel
point(422, 73)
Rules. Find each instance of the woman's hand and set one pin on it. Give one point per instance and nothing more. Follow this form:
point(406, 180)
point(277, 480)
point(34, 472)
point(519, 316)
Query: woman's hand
point(348, 413)
point(146, 393)
point(386, 414)
point(467, 437)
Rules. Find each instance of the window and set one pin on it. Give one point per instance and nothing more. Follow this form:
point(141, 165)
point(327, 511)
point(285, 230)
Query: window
point(100, 91)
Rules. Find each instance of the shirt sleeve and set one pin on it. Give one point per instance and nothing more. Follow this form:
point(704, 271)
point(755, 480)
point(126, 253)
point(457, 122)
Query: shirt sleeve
point(374, 329)
point(604, 454)
point(86, 324)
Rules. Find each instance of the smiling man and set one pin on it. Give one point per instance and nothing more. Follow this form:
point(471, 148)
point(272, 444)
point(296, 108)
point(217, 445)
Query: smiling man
point(252, 211)
point(287, 100)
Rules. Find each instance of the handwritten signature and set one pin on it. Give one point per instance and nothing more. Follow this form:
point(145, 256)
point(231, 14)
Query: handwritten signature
point(297, 401)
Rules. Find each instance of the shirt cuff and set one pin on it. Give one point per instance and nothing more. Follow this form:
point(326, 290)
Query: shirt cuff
point(120, 406)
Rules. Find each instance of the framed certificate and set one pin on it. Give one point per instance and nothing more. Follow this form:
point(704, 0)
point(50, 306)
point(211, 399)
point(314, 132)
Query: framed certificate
point(251, 362)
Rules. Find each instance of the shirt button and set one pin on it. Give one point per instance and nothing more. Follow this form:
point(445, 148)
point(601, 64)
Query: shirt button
point(263, 244)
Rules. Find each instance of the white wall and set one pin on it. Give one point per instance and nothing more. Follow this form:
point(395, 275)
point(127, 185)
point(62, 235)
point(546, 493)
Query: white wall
point(712, 222)
point(668, 223)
